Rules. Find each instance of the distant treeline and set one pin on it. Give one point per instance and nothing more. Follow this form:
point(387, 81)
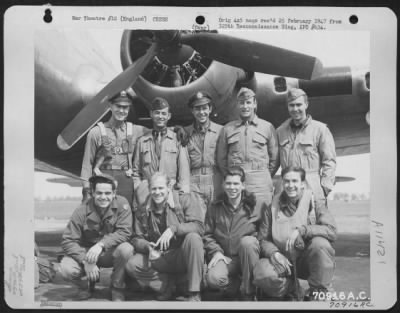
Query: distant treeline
point(340, 196)
point(60, 198)
point(345, 196)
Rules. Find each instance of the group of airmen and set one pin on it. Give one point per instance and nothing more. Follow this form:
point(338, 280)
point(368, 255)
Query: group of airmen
point(198, 208)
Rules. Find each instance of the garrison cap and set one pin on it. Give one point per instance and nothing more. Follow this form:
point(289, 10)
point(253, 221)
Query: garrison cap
point(159, 104)
point(245, 93)
point(199, 98)
point(295, 93)
point(103, 178)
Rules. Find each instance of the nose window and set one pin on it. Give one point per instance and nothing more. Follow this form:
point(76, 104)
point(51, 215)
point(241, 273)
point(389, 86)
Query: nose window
point(280, 84)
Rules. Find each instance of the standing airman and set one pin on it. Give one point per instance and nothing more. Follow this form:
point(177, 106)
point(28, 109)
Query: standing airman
point(250, 143)
point(309, 144)
point(205, 177)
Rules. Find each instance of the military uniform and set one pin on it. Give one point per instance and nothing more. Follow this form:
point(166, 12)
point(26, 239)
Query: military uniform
point(310, 146)
point(253, 146)
point(306, 143)
point(233, 232)
point(110, 146)
point(172, 159)
point(120, 143)
point(184, 215)
point(159, 150)
point(86, 228)
point(317, 228)
point(205, 178)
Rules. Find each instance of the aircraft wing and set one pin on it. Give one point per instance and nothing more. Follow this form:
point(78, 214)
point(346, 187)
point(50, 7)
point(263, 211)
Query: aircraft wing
point(41, 166)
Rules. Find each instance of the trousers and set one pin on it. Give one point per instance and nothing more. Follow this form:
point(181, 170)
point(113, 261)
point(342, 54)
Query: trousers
point(187, 259)
point(226, 276)
point(207, 185)
point(316, 264)
point(116, 258)
point(125, 183)
point(260, 183)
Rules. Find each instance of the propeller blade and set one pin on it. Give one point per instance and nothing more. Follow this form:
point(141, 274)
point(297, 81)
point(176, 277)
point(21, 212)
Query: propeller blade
point(99, 105)
point(253, 56)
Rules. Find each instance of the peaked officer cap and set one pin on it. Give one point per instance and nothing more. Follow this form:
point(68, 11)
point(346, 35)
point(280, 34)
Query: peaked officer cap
point(121, 98)
point(199, 98)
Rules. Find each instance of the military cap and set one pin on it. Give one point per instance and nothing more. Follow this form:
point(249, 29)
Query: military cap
point(199, 98)
point(159, 104)
point(295, 93)
point(245, 93)
point(121, 98)
point(103, 178)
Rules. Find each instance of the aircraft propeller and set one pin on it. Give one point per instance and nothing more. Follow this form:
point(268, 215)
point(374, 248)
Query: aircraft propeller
point(249, 55)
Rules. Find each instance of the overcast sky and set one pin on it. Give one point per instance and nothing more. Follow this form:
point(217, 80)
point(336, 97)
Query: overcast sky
point(333, 48)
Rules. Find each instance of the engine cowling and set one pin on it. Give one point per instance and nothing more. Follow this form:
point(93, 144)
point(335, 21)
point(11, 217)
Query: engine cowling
point(176, 73)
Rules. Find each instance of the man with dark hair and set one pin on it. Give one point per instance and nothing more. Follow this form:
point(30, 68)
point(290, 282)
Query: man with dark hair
point(109, 148)
point(96, 237)
point(295, 236)
point(167, 240)
point(160, 150)
point(205, 178)
point(251, 143)
point(309, 144)
point(230, 238)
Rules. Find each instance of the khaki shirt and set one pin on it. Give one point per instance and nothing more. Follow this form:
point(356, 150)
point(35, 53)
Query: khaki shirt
point(86, 227)
point(253, 146)
point(311, 147)
point(173, 162)
point(203, 156)
point(121, 150)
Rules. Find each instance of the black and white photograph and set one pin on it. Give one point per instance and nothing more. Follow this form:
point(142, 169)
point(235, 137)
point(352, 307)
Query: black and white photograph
point(227, 161)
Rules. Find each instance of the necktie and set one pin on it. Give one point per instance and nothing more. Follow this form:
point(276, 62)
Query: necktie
point(157, 142)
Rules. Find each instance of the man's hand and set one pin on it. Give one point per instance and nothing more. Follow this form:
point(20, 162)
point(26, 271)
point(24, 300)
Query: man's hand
point(326, 191)
point(217, 257)
point(92, 271)
point(182, 135)
point(164, 240)
point(93, 254)
point(281, 264)
point(86, 194)
point(294, 242)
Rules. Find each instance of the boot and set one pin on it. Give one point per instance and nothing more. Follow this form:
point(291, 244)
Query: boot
point(117, 294)
point(85, 292)
point(193, 296)
point(166, 295)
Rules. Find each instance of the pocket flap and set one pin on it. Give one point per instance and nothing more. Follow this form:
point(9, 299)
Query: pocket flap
point(233, 138)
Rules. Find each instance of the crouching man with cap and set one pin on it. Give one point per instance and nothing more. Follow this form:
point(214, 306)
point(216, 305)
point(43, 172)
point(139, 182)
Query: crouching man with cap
point(295, 237)
point(230, 238)
point(167, 240)
point(96, 237)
